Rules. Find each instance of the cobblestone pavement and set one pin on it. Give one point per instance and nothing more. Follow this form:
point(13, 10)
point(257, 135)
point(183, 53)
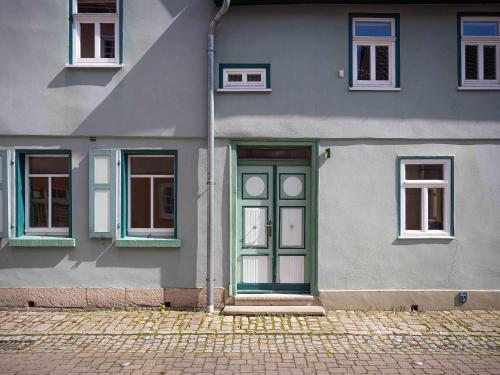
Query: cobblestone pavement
point(155, 341)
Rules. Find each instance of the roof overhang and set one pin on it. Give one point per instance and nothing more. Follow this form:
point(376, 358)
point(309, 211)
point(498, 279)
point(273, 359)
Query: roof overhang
point(428, 2)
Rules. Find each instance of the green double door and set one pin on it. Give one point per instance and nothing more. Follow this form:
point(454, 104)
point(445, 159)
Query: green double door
point(274, 213)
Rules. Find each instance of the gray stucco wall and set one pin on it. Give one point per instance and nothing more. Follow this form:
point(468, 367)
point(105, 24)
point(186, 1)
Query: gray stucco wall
point(97, 262)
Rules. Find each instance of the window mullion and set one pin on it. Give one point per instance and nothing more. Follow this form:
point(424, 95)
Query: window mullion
point(480, 61)
point(49, 209)
point(373, 64)
point(97, 40)
point(425, 209)
point(151, 224)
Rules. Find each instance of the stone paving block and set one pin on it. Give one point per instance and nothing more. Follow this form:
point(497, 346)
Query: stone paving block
point(106, 297)
point(58, 297)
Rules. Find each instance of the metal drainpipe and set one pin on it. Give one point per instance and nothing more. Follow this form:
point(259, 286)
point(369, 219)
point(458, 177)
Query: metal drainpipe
point(211, 142)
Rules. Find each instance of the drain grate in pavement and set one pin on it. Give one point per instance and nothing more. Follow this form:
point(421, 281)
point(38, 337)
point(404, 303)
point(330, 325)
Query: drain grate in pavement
point(13, 345)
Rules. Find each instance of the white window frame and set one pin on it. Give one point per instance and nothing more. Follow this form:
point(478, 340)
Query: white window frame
point(96, 19)
point(372, 42)
point(480, 42)
point(42, 230)
point(244, 85)
point(424, 185)
point(151, 231)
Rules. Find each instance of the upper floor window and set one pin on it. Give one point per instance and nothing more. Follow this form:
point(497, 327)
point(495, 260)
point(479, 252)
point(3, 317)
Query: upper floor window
point(95, 32)
point(480, 52)
point(374, 52)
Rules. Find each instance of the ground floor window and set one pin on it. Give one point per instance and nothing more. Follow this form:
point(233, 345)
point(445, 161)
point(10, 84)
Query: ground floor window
point(151, 194)
point(44, 193)
point(426, 197)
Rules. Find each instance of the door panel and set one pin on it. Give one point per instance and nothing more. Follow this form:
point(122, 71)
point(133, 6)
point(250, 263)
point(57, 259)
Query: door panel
point(254, 227)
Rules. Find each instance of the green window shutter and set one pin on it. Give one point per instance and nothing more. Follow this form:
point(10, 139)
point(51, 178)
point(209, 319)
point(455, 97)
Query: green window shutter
point(5, 188)
point(104, 204)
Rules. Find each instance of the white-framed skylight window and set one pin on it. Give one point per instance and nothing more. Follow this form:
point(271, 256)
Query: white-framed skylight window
point(479, 52)
point(374, 52)
point(95, 33)
point(244, 77)
point(426, 197)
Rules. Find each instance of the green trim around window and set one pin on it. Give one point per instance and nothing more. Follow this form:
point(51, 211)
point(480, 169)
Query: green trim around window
point(70, 31)
point(148, 242)
point(460, 15)
point(21, 188)
point(452, 187)
point(42, 241)
point(223, 66)
point(397, 33)
point(124, 191)
point(120, 30)
point(233, 185)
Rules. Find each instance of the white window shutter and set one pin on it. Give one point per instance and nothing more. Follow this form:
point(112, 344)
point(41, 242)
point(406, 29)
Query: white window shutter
point(5, 192)
point(104, 193)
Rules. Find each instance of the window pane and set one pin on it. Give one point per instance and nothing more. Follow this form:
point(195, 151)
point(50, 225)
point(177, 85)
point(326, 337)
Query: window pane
point(254, 77)
point(87, 42)
point(107, 40)
point(140, 203)
point(490, 62)
point(413, 209)
point(39, 201)
point(60, 202)
point(96, 6)
point(481, 28)
point(373, 28)
point(363, 62)
point(152, 165)
point(471, 62)
point(49, 165)
point(382, 63)
point(273, 153)
point(424, 171)
point(435, 197)
point(163, 203)
point(235, 78)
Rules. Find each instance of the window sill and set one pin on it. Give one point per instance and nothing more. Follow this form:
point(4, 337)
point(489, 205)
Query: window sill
point(446, 238)
point(95, 66)
point(148, 242)
point(42, 241)
point(478, 88)
point(375, 88)
point(244, 90)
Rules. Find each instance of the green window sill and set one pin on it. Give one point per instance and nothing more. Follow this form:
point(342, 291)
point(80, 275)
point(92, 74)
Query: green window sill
point(148, 242)
point(42, 241)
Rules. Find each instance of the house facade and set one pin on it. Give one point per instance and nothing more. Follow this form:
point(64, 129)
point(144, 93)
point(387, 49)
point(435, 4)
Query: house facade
point(356, 153)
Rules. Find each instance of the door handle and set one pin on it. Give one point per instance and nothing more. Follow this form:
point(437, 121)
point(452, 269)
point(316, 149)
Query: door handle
point(269, 227)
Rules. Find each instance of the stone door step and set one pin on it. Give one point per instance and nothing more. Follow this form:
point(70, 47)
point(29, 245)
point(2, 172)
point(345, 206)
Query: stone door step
point(274, 299)
point(276, 310)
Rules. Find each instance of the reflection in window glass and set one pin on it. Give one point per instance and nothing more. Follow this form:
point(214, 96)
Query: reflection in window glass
point(254, 77)
point(163, 204)
point(140, 202)
point(60, 202)
point(382, 63)
point(424, 172)
point(490, 62)
point(96, 6)
point(435, 208)
point(49, 165)
point(480, 28)
point(413, 209)
point(363, 63)
point(235, 77)
point(107, 40)
point(471, 63)
point(365, 28)
point(87, 41)
point(39, 202)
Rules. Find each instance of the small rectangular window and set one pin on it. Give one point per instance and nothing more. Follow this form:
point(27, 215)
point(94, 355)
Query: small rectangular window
point(480, 56)
point(426, 197)
point(95, 29)
point(47, 194)
point(151, 195)
point(251, 77)
point(374, 52)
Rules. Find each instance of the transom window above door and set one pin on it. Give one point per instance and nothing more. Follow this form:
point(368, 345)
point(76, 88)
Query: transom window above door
point(95, 33)
point(480, 52)
point(374, 52)
point(426, 197)
point(151, 195)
